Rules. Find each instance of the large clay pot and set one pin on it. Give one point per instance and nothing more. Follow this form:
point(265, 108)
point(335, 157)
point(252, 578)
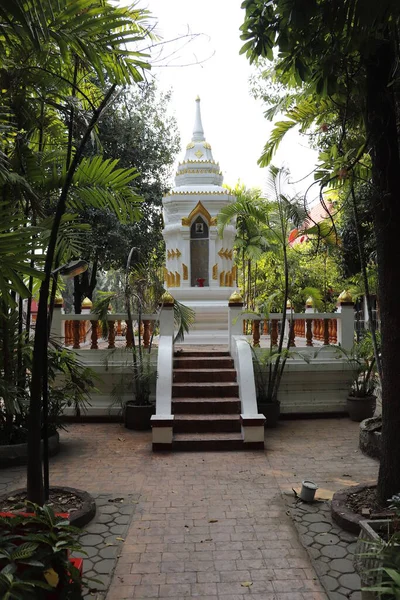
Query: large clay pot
point(271, 412)
point(360, 408)
point(138, 417)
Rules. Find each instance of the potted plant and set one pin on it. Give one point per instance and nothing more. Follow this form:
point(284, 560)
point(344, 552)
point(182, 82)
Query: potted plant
point(266, 393)
point(361, 399)
point(35, 559)
point(377, 555)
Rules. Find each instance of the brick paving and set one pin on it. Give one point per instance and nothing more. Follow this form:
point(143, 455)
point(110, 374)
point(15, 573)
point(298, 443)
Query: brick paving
point(211, 526)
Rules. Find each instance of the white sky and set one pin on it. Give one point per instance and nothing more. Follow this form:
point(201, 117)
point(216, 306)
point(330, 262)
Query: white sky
point(233, 121)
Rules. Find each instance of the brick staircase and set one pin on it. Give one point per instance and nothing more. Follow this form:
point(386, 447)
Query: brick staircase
point(205, 402)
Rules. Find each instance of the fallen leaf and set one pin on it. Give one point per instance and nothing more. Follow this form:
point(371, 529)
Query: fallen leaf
point(246, 583)
point(109, 544)
point(120, 539)
point(51, 577)
point(121, 439)
point(213, 521)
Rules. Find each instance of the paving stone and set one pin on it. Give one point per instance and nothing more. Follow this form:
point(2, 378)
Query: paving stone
point(122, 520)
point(355, 595)
point(327, 539)
point(109, 552)
point(127, 509)
point(312, 518)
point(350, 581)
point(337, 596)
point(105, 518)
point(351, 548)
point(345, 536)
point(91, 540)
point(89, 550)
point(314, 552)
point(321, 567)
point(97, 528)
point(317, 546)
point(117, 529)
point(342, 565)
point(330, 583)
point(306, 540)
point(320, 527)
point(109, 509)
point(334, 551)
point(104, 566)
point(325, 558)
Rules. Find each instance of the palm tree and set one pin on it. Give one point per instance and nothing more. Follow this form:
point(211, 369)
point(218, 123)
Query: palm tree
point(52, 54)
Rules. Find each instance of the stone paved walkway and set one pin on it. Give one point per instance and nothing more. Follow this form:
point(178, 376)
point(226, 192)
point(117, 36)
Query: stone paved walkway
point(211, 526)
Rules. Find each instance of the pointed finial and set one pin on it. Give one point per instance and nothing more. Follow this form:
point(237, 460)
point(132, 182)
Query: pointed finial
point(197, 98)
point(198, 133)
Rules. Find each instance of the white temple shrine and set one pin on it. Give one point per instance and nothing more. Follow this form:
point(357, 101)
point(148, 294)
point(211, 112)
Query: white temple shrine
point(199, 269)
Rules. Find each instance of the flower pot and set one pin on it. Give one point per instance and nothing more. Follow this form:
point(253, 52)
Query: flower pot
point(271, 412)
point(138, 417)
point(367, 562)
point(308, 489)
point(360, 408)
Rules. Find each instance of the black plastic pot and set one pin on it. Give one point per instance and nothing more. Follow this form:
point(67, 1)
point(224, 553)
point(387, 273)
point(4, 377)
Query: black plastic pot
point(360, 408)
point(271, 412)
point(138, 417)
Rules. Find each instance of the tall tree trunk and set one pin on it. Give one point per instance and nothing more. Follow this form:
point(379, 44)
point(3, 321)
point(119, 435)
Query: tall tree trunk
point(34, 468)
point(382, 133)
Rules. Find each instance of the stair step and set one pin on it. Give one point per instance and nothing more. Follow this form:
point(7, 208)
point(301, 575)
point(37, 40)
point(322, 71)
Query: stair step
point(199, 406)
point(207, 441)
point(200, 423)
point(199, 354)
point(204, 362)
point(204, 375)
point(205, 390)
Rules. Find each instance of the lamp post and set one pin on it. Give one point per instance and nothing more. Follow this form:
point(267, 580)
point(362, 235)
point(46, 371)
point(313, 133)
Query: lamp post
point(69, 270)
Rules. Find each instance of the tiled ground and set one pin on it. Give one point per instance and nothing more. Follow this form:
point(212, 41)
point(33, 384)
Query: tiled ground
point(211, 526)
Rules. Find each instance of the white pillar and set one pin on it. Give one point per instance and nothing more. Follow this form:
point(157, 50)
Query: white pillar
point(56, 330)
point(235, 323)
point(346, 325)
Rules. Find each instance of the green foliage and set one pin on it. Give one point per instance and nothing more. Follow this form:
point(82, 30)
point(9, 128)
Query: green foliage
point(34, 556)
point(386, 552)
point(362, 360)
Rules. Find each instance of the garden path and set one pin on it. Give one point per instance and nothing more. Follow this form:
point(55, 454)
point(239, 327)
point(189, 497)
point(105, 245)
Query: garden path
point(207, 523)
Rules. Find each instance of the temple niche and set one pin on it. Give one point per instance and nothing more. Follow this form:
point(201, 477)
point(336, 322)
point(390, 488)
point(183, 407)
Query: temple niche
point(199, 268)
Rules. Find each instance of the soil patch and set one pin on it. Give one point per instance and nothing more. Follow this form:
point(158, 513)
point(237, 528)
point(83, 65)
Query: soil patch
point(59, 500)
point(365, 503)
point(80, 505)
point(351, 505)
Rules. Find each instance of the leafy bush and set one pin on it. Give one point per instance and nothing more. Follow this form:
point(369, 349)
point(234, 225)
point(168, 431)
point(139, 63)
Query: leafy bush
point(34, 557)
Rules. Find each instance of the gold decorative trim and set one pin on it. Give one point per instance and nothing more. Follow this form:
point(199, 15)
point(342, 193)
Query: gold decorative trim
point(196, 194)
point(222, 279)
point(185, 171)
point(207, 145)
point(185, 272)
point(215, 272)
point(190, 145)
point(167, 298)
point(173, 254)
point(165, 274)
point(211, 162)
point(177, 279)
point(226, 253)
point(235, 298)
point(199, 209)
point(199, 153)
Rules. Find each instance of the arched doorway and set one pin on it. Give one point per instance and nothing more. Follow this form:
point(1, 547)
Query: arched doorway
point(199, 251)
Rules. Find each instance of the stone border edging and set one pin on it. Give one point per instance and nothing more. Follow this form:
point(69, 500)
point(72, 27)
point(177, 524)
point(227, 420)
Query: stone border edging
point(343, 516)
point(17, 454)
point(79, 518)
point(370, 441)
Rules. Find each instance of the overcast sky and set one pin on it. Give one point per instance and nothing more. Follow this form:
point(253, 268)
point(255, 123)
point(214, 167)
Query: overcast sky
point(233, 122)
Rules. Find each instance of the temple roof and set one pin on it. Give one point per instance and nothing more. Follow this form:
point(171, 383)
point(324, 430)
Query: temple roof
point(198, 170)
